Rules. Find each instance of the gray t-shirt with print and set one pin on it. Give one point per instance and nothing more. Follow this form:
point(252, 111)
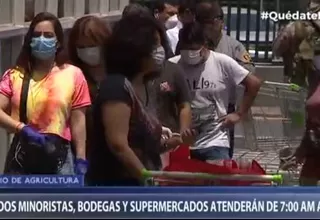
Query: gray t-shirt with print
point(167, 93)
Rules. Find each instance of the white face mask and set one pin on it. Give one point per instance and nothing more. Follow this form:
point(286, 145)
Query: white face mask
point(172, 22)
point(90, 55)
point(159, 55)
point(191, 57)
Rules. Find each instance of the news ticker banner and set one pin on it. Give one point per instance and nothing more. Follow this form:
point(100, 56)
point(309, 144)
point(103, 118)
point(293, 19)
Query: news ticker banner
point(38, 181)
point(164, 205)
point(66, 197)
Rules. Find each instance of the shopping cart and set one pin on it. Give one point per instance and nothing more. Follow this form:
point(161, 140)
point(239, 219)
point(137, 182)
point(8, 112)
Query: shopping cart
point(183, 171)
point(270, 134)
point(273, 129)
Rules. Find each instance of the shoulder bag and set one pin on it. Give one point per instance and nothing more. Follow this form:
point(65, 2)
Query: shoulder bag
point(33, 158)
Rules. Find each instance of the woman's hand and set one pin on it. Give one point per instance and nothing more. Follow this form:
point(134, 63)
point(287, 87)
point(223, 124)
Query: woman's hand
point(230, 120)
point(173, 142)
point(166, 133)
point(170, 140)
point(188, 136)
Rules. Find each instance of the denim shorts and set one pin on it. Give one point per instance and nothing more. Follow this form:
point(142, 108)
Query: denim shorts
point(211, 153)
point(68, 166)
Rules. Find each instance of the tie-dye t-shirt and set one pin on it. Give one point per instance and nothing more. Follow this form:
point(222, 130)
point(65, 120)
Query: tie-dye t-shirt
point(50, 99)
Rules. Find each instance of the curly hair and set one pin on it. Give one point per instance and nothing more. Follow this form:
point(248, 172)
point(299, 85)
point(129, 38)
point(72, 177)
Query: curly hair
point(135, 9)
point(133, 40)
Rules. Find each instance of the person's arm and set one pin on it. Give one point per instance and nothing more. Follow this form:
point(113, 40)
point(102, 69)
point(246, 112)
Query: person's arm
point(252, 85)
point(185, 116)
point(80, 102)
point(6, 122)
point(6, 92)
point(116, 117)
point(116, 112)
point(239, 75)
point(243, 58)
point(78, 132)
point(183, 99)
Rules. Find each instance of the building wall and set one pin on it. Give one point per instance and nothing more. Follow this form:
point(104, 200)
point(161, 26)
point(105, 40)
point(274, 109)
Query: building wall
point(15, 17)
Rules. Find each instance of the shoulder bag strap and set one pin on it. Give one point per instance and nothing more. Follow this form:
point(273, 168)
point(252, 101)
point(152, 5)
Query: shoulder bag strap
point(24, 98)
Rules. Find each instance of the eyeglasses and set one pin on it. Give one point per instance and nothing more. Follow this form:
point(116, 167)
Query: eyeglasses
point(46, 34)
point(187, 11)
point(218, 17)
point(212, 20)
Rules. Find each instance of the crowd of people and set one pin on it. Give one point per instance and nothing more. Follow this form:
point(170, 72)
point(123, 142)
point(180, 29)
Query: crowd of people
point(124, 97)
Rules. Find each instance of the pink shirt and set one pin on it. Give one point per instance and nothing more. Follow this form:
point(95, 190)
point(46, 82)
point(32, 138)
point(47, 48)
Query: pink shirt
point(50, 99)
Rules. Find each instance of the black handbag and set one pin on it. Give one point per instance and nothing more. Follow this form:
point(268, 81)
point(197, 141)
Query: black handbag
point(33, 158)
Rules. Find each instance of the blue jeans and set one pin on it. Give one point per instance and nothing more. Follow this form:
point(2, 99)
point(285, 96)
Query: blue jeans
point(68, 166)
point(211, 153)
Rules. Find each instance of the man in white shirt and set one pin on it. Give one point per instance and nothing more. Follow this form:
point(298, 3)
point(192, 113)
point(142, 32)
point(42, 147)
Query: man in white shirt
point(166, 12)
point(210, 75)
point(186, 14)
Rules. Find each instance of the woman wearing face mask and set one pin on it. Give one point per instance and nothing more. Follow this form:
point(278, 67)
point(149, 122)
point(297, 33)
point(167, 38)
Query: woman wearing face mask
point(86, 39)
point(169, 95)
point(210, 76)
point(128, 137)
point(167, 89)
point(48, 100)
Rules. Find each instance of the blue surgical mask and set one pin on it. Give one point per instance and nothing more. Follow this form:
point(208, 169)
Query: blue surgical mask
point(43, 48)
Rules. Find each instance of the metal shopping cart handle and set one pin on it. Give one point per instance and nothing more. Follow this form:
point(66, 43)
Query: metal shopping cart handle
point(187, 175)
point(291, 86)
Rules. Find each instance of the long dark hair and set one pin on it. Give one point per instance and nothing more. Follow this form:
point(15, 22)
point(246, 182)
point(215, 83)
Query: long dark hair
point(25, 59)
point(133, 39)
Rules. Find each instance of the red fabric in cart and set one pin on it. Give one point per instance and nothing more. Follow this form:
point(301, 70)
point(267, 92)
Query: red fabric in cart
point(179, 161)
